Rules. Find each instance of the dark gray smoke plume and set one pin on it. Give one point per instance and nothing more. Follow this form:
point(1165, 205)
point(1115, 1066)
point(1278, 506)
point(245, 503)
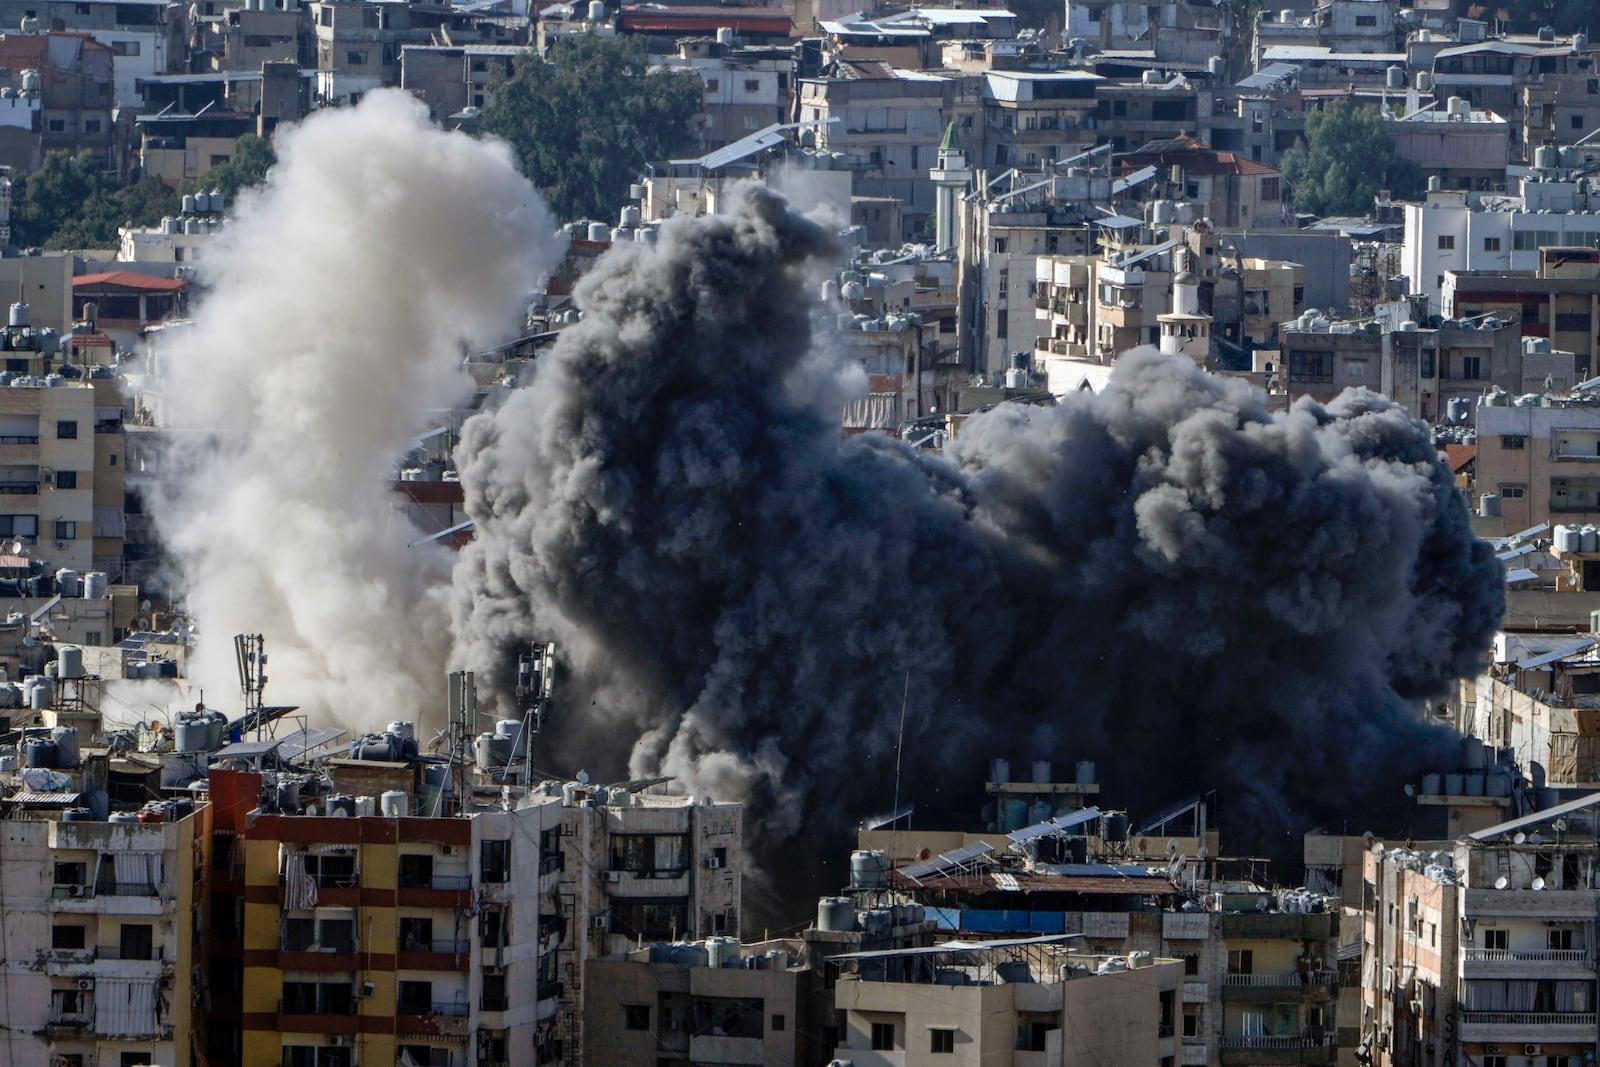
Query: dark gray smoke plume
point(1166, 577)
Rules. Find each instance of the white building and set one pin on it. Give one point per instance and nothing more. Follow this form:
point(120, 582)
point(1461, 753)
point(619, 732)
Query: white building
point(1500, 233)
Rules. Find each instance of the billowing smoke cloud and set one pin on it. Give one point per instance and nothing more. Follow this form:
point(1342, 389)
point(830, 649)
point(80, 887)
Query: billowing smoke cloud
point(1165, 577)
point(340, 302)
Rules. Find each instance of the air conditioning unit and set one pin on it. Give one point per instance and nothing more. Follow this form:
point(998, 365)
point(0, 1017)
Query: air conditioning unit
point(74, 890)
point(613, 876)
point(335, 1040)
point(85, 984)
point(600, 922)
point(1532, 1050)
point(1491, 1049)
point(447, 849)
point(61, 544)
point(713, 863)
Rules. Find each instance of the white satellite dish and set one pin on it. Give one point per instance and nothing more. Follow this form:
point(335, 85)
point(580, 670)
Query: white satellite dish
point(1411, 790)
point(1535, 839)
point(1172, 848)
point(1501, 882)
point(1520, 839)
point(1560, 825)
point(30, 640)
point(583, 777)
point(1538, 883)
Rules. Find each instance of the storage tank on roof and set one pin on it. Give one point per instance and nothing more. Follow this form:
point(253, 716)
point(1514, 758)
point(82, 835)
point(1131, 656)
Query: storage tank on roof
point(1546, 157)
point(599, 232)
point(21, 314)
point(1395, 77)
point(189, 203)
point(869, 869)
point(1424, 81)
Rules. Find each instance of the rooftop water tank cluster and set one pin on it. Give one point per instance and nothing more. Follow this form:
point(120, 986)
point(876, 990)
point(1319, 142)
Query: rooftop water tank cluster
point(201, 730)
point(500, 748)
point(397, 744)
point(840, 914)
point(55, 750)
point(1577, 538)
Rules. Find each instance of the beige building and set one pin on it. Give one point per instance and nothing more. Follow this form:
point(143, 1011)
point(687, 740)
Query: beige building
point(710, 1002)
point(1027, 1001)
point(1539, 460)
point(1483, 954)
point(1559, 302)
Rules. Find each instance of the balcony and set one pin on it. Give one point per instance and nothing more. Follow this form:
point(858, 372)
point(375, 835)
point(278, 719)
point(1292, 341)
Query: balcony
point(1291, 985)
point(1527, 1026)
point(1192, 1053)
point(1247, 1049)
point(19, 448)
point(432, 1020)
point(1496, 962)
point(668, 883)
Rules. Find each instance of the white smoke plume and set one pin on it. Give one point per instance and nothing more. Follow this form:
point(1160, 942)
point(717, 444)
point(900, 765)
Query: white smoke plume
point(340, 301)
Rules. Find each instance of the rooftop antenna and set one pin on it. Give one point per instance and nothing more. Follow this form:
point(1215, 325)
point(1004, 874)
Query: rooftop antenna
point(463, 698)
point(250, 652)
point(899, 747)
point(535, 683)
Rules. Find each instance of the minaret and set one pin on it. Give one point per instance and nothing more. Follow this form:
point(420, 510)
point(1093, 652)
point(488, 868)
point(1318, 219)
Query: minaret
point(950, 178)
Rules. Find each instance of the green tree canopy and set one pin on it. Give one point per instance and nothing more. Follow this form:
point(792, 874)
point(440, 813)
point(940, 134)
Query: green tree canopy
point(584, 121)
point(1345, 157)
point(252, 158)
point(69, 202)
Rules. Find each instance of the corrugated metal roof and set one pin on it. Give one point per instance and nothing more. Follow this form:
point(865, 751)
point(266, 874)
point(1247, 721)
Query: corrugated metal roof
point(45, 799)
point(1536, 818)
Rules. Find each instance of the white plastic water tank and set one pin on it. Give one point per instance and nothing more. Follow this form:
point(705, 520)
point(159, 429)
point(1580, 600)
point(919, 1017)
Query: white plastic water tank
point(69, 660)
point(366, 806)
point(401, 728)
point(599, 232)
point(1041, 772)
point(630, 216)
point(95, 585)
point(394, 804)
point(597, 10)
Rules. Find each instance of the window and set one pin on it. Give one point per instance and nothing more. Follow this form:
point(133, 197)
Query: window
point(942, 1041)
point(751, 122)
point(70, 873)
point(1471, 368)
point(494, 859)
point(67, 937)
point(1191, 1023)
point(883, 1037)
point(299, 935)
point(650, 855)
point(1191, 964)
point(1269, 188)
point(416, 871)
point(1512, 492)
point(1497, 940)
point(1513, 442)
point(1366, 20)
point(413, 998)
point(66, 429)
point(66, 530)
point(66, 479)
point(416, 934)
point(713, 84)
point(1558, 940)
point(752, 85)
point(728, 1016)
point(1447, 242)
point(137, 941)
point(778, 1024)
point(1494, 1061)
point(125, 48)
point(1241, 961)
point(494, 992)
point(636, 1016)
point(1577, 122)
point(58, 125)
point(91, 125)
point(1491, 244)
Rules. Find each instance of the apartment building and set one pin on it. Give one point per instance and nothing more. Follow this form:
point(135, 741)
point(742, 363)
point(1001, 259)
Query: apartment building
point(1422, 369)
point(376, 937)
point(1539, 458)
point(1463, 146)
point(104, 963)
point(47, 470)
point(1484, 953)
point(1451, 231)
point(714, 1001)
point(1558, 302)
point(65, 94)
point(638, 867)
point(146, 37)
point(976, 1002)
point(451, 78)
point(1172, 31)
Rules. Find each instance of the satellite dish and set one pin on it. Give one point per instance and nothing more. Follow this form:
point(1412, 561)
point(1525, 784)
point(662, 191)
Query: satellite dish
point(1368, 836)
point(583, 777)
point(1535, 839)
point(1538, 883)
point(1172, 847)
point(30, 640)
point(1559, 826)
point(1411, 790)
point(1520, 839)
point(144, 605)
point(1501, 882)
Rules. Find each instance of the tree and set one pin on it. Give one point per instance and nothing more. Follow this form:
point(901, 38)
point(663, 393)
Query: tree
point(252, 158)
point(69, 202)
point(584, 121)
point(1345, 157)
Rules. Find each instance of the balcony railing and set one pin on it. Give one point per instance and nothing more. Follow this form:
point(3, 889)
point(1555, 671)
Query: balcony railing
point(1291, 978)
point(1503, 955)
point(447, 947)
point(1528, 1018)
point(19, 439)
point(19, 488)
point(125, 889)
point(1264, 1041)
